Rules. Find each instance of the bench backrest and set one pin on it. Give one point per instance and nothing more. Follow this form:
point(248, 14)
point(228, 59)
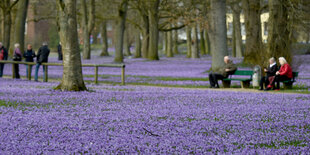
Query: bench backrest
point(243, 72)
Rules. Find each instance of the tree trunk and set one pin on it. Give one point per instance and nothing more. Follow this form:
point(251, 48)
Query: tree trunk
point(207, 42)
point(154, 33)
point(169, 44)
point(104, 36)
point(202, 42)
point(7, 22)
point(145, 36)
point(165, 43)
point(279, 42)
point(189, 41)
point(175, 42)
point(127, 43)
point(88, 25)
point(218, 33)
point(72, 78)
point(119, 33)
point(138, 44)
point(237, 35)
point(195, 51)
point(253, 47)
point(20, 20)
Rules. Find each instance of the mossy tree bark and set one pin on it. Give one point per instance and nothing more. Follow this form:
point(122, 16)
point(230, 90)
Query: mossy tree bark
point(218, 32)
point(195, 50)
point(207, 42)
point(169, 44)
point(189, 41)
point(145, 36)
point(202, 41)
point(127, 44)
point(20, 20)
point(279, 42)
point(119, 32)
point(253, 53)
point(138, 44)
point(104, 36)
point(154, 32)
point(237, 37)
point(72, 78)
point(88, 23)
point(175, 42)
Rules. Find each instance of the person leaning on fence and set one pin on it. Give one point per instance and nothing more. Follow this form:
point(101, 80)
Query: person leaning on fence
point(3, 56)
point(42, 57)
point(285, 73)
point(29, 54)
point(270, 71)
point(17, 56)
point(228, 69)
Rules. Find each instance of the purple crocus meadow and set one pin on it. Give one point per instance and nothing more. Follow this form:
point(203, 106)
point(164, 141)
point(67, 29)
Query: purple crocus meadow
point(35, 119)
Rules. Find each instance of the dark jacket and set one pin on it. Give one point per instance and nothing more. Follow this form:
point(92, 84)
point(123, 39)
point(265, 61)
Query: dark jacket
point(231, 66)
point(43, 54)
point(59, 52)
point(17, 55)
point(29, 55)
point(271, 71)
point(5, 53)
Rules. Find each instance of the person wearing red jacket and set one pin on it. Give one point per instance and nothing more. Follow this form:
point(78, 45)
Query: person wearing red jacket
point(284, 74)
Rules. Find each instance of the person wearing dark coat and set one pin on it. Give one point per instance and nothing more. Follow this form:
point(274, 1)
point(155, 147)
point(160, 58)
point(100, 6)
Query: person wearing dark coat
point(270, 71)
point(42, 57)
point(59, 49)
point(3, 56)
point(17, 56)
point(228, 69)
point(29, 54)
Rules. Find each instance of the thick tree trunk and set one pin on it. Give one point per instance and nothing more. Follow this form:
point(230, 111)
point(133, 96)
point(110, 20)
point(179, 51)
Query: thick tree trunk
point(237, 37)
point(175, 42)
point(104, 36)
point(253, 47)
point(165, 48)
point(7, 23)
point(218, 33)
point(145, 36)
point(207, 42)
point(119, 33)
point(72, 78)
point(127, 43)
point(88, 25)
point(20, 20)
point(195, 51)
point(169, 44)
point(138, 44)
point(279, 42)
point(202, 42)
point(189, 41)
point(154, 33)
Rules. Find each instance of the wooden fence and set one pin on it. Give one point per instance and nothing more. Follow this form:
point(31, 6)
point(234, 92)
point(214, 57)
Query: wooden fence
point(122, 66)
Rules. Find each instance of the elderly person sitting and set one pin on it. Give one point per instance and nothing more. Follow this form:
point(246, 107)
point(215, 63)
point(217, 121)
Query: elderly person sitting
point(285, 73)
point(270, 71)
point(228, 69)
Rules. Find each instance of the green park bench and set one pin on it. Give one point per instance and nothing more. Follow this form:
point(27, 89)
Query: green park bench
point(245, 79)
point(289, 83)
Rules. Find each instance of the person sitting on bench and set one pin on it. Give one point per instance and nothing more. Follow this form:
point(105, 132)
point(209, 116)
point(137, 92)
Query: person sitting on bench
point(228, 69)
point(284, 74)
point(270, 71)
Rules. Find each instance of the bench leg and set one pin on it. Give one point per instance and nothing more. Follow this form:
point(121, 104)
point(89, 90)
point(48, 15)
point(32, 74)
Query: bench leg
point(245, 84)
point(288, 85)
point(226, 84)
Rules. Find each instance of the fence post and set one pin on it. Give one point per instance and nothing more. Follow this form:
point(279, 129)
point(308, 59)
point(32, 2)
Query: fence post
point(45, 74)
point(13, 70)
point(96, 74)
point(29, 71)
point(123, 75)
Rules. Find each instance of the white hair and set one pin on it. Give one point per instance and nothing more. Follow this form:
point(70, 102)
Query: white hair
point(16, 45)
point(226, 57)
point(1, 43)
point(44, 44)
point(282, 60)
point(272, 59)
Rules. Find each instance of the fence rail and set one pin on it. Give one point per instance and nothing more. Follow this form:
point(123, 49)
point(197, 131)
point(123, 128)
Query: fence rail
point(96, 66)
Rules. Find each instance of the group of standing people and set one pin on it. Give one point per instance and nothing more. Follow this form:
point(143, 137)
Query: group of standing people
point(29, 55)
point(271, 81)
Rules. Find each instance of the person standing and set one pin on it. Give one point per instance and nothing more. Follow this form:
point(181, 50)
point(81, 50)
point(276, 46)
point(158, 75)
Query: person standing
point(17, 56)
point(270, 71)
point(29, 55)
point(228, 69)
point(42, 57)
point(59, 49)
point(3, 56)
